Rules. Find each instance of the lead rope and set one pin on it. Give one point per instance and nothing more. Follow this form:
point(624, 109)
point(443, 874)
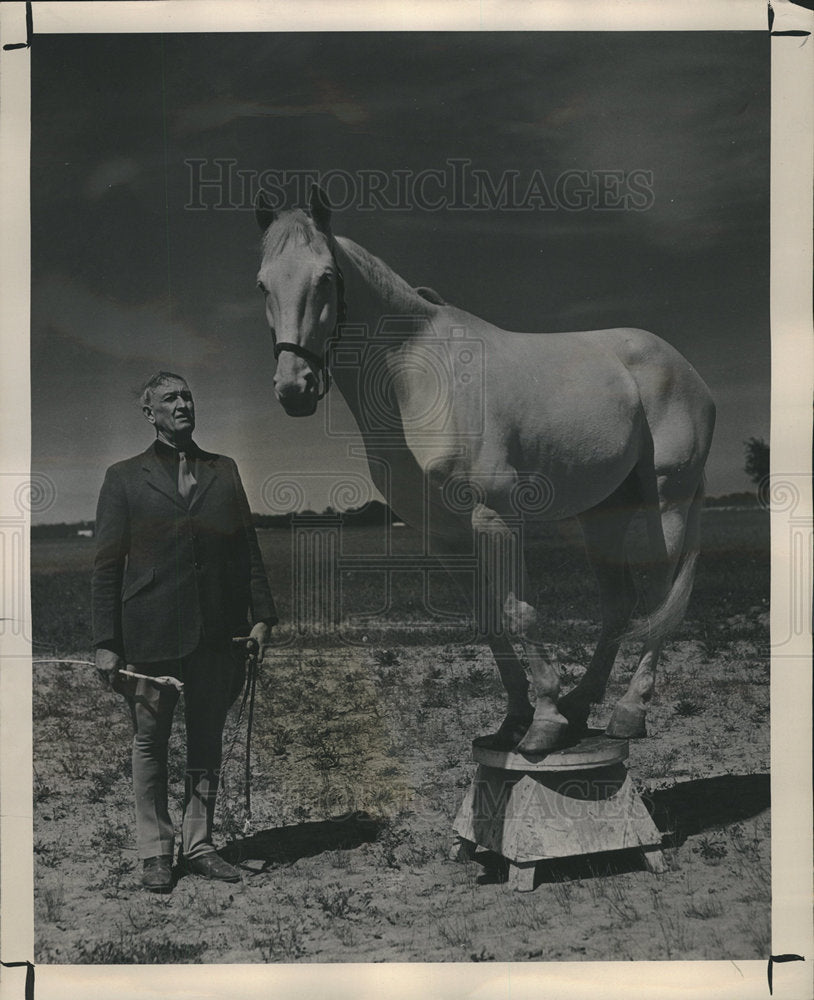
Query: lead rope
point(249, 691)
point(251, 680)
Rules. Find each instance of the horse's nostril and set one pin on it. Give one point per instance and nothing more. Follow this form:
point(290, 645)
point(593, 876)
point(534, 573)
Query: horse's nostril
point(292, 390)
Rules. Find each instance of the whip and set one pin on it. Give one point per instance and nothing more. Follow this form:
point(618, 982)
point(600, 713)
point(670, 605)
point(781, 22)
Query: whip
point(164, 681)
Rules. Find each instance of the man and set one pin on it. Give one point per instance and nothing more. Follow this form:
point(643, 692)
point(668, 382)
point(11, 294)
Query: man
point(177, 574)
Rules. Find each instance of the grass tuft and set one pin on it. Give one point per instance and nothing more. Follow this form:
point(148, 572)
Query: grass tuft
point(125, 951)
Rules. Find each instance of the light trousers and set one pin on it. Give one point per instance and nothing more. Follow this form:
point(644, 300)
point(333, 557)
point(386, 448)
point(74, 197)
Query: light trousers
point(208, 675)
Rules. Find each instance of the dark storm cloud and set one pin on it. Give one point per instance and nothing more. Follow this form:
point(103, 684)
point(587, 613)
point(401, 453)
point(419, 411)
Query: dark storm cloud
point(215, 114)
point(140, 278)
point(65, 308)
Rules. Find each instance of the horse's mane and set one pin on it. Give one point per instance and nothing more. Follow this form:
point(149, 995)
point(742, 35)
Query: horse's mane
point(391, 285)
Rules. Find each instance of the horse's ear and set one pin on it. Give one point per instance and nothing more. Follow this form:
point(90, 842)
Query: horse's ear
point(263, 211)
point(320, 209)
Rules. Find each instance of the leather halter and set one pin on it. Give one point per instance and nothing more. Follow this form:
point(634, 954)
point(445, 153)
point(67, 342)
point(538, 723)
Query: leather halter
point(317, 363)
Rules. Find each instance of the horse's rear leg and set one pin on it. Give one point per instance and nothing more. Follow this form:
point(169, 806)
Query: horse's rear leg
point(674, 538)
point(605, 528)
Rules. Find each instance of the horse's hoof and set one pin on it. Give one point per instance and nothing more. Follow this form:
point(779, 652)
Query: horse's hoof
point(543, 735)
point(494, 741)
point(512, 729)
point(626, 723)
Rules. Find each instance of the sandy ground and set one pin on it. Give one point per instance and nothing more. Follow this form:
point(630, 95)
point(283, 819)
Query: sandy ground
point(361, 759)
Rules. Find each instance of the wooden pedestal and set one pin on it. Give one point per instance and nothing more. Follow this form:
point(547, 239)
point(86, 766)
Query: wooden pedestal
point(568, 802)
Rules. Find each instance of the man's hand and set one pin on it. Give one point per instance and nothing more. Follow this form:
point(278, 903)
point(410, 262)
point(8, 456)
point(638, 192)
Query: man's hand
point(261, 633)
point(109, 664)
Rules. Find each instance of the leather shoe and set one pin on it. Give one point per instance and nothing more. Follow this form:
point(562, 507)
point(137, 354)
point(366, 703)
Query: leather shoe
point(212, 866)
point(156, 874)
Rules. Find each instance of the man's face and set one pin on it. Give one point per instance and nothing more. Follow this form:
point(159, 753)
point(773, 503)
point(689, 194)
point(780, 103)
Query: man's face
point(171, 410)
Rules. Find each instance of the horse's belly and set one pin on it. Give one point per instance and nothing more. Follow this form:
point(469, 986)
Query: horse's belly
point(578, 462)
point(565, 421)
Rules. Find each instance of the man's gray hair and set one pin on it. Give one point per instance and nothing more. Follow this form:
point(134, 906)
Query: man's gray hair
point(154, 382)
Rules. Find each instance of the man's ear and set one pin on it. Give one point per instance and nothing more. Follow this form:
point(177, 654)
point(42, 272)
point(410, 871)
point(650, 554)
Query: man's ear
point(148, 413)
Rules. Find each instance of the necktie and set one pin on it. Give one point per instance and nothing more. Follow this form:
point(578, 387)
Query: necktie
point(186, 481)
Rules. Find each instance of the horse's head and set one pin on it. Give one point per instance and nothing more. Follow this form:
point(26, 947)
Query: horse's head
point(302, 287)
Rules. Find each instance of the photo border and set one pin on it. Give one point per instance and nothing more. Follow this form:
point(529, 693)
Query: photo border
point(791, 522)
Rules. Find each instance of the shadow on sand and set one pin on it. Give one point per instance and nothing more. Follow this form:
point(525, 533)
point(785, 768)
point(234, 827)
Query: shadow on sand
point(286, 844)
point(679, 812)
point(691, 807)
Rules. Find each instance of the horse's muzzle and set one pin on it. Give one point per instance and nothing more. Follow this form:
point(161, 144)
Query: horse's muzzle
point(299, 404)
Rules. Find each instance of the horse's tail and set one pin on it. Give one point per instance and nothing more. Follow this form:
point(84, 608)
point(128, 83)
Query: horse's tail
point(669, 614)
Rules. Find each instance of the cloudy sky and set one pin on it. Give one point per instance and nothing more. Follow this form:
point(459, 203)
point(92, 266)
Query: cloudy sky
point(127, 277)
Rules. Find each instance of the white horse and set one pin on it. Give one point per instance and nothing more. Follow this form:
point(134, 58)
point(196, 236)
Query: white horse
point(610, 421)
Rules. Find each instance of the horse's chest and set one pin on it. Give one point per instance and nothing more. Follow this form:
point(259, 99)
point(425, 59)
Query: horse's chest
point(416, 481)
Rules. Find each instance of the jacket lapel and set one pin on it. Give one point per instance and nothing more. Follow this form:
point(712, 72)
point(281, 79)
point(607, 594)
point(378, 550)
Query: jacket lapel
point(157, 477)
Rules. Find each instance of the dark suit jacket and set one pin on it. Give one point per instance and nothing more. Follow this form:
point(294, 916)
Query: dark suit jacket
point(168, 574)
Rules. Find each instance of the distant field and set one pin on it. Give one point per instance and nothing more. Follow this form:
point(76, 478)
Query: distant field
point(733, 577)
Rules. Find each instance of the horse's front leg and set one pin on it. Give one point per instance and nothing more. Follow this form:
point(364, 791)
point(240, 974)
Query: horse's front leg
point(519, 709)
point(486, 605)
point(531, 726)
point(548, 726)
